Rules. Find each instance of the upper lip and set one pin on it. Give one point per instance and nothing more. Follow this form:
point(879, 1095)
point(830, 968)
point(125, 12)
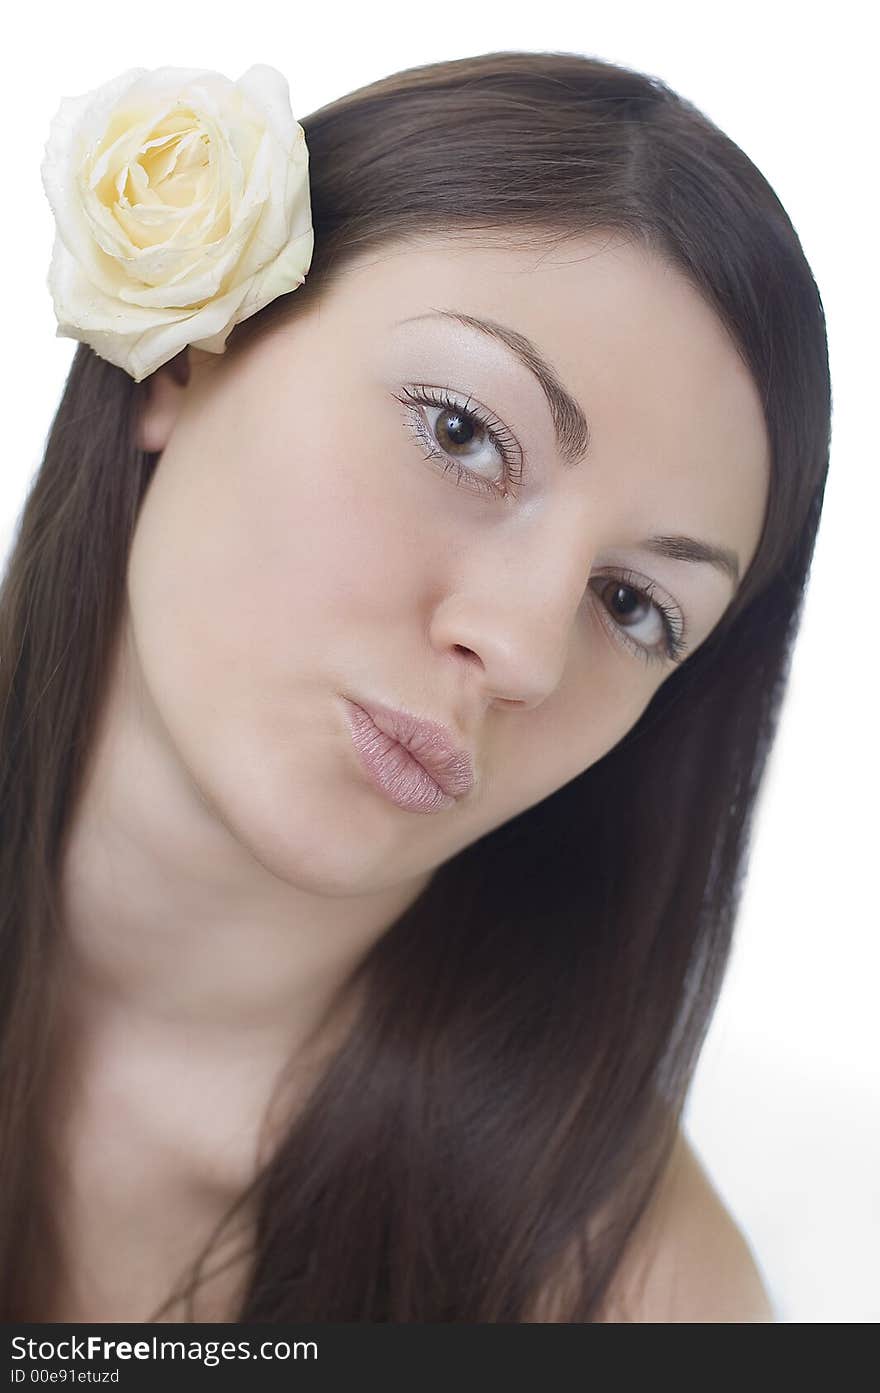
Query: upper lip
point(430, 744)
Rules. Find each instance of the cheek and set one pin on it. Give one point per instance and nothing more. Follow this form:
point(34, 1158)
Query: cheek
point(352, 528)
point(337, 544)
point(258, 552)
point(535, 754)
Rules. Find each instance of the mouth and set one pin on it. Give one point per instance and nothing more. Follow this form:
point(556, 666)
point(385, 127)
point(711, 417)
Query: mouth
point(414, 761)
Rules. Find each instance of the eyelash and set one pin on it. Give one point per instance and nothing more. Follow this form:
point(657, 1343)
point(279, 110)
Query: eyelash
point(673, 648)
point(497, 432)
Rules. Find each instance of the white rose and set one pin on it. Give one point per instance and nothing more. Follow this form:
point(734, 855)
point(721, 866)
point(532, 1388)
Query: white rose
point(182, 206)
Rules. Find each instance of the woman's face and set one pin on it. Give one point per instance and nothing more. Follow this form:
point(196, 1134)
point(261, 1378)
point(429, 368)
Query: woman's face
point(298, 547)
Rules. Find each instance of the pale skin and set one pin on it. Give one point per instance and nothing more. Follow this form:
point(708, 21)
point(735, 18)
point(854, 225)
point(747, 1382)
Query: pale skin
point(229, 860)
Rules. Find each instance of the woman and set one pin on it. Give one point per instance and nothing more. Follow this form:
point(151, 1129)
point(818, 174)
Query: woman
point(535, 455)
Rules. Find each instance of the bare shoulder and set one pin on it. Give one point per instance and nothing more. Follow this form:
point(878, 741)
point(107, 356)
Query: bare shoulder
point(689, 1261)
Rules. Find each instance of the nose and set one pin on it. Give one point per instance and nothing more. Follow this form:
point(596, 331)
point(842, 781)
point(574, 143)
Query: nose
point(514, 605)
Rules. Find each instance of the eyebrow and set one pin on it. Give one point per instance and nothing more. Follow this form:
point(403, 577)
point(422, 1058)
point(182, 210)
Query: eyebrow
point(573, 433)
point(572, 429)
point(680, 548)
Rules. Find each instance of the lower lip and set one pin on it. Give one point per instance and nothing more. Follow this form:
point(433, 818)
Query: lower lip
point(392, 769)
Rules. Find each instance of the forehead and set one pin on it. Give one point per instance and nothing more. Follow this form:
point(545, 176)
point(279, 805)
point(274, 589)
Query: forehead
point(668, 399)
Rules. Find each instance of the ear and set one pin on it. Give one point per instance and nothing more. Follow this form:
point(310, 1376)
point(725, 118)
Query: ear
point(166, 389)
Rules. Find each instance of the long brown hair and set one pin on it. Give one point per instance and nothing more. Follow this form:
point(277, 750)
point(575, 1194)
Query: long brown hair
point(528, 1029)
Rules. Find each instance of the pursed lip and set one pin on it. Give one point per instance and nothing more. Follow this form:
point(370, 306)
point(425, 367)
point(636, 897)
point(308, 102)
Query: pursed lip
point(430, 744)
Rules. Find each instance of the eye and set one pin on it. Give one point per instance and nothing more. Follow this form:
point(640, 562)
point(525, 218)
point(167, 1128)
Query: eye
point(453, 432)
point(633, 605)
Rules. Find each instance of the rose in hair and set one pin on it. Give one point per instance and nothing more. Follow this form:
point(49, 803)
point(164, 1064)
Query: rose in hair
point(182, 206)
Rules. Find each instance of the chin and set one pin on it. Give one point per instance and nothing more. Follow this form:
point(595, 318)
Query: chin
point(323, 837)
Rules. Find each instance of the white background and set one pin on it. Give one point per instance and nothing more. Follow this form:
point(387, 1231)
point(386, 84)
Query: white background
point(785, 1110)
